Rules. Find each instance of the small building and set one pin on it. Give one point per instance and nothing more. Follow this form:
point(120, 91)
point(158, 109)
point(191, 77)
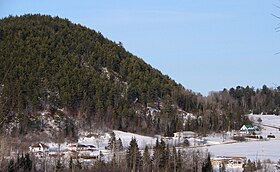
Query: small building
point(185, 134)
point(39, 149)
point(249, 129)
point(228, 163)
point(81, 147)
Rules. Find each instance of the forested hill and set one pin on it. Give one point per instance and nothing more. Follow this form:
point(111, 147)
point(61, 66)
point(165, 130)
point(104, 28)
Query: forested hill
point(50, 63)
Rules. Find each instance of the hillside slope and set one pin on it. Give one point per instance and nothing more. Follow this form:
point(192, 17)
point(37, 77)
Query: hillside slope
point(48, 63)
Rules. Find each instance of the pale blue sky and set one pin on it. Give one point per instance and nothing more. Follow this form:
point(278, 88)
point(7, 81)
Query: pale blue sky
point(204, 45)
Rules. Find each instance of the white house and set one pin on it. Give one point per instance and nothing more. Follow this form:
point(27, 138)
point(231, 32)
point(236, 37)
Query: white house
point(185, 134)
point(249, 129)
point(39, 149)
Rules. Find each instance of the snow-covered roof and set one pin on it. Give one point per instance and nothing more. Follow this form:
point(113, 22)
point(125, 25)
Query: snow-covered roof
point(40, 145)
point(186, 132)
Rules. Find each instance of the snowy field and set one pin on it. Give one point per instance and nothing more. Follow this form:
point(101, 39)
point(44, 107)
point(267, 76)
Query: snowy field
point(126, 137)
point(253, 149)
point(141, 140)
point(216, 144)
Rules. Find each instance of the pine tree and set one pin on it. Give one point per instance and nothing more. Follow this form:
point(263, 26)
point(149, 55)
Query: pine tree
point(112, 142)
point(207, 166)
point(133, 156)
point(70, 163)
point(78, 164)
point(156, 156)
point(114, 161)
point(27, 162)
point(59, 166)
point(11, 166)
point(179, 161)
point(147, 163)
point(168, 159)
point(119, 145)
point(20, 162)
point(163, 155)
point(173, 159)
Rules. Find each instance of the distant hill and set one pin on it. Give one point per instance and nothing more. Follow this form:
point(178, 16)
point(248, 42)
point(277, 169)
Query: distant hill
point(49, 63)
point(57, 74)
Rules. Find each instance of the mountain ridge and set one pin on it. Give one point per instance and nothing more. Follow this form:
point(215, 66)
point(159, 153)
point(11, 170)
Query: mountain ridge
point(48, 61)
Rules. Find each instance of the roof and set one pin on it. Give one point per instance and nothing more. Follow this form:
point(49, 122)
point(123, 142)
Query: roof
point(78, 145)
point(248, 126)
point(186, 132)
point(223, 158)
point(40, 145)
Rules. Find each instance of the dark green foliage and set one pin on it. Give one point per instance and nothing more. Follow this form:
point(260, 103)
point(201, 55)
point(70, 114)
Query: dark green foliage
point(164, 156)
point(78, 164)
point(147, 163)
point(70, 166)
point(112, 142)
point(119, 145)
point(266, 100)
point(179, 162)
point(161, 156)
point(48, 61)
point(156, 156)
point(207, 166)
point(23, 163)
point(27, 163)
point(58, 166)
point(133, 156)
point(51, 63)
point(11, 166)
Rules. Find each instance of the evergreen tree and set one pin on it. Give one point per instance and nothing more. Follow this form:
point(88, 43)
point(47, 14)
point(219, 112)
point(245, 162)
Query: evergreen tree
point(114, 161)
point(78, 164)
point(179, 161)
point(119, 145)
point(59, 165)
point(156, 156)
point(163, 155)
point(168, 159)
point(207, 166)
point(173, 159)
point(133, 156)
point(20, 162)
point(27, 162)
point(11, 166)
point(112, 145)
point(147, 163)
point(71, 163)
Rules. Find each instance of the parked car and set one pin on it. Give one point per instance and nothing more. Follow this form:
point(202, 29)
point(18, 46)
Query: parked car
point(270, 136)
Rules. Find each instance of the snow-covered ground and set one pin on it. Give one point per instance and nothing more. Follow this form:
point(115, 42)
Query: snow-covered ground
point(216, 144)
point(254, 149)
point(126, 137)
point(141, 140)
point(266, 121)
